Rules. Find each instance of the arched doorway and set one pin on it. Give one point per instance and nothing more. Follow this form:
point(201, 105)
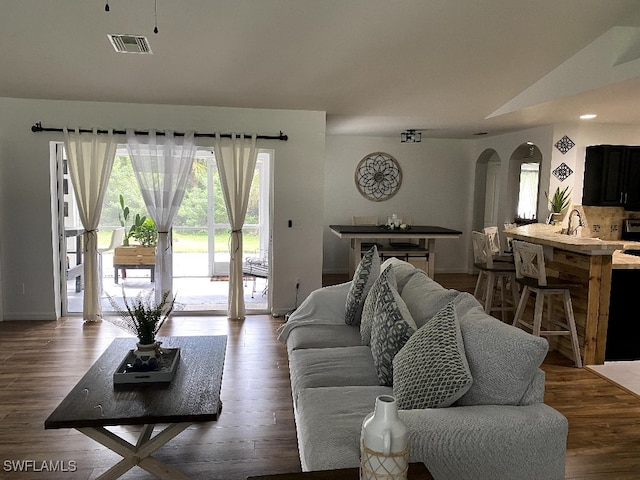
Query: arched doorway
point(487, 190)
point(523, 185)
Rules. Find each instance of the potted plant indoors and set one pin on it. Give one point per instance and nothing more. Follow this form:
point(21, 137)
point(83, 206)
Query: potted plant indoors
point(143, 317)
point(559, 202)
point(144, 231)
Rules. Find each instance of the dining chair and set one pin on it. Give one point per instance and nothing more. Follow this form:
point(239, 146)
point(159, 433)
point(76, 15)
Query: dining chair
point(367, 220)
point(117, 237)
point(531, 275)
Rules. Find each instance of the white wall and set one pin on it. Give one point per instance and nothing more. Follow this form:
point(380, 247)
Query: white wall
point(437, 189)
point(28, 263)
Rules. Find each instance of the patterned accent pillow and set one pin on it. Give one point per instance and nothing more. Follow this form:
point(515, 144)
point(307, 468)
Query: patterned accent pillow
point(369, 307)
point(431, 370)
point(366, 273)
point(392, 327)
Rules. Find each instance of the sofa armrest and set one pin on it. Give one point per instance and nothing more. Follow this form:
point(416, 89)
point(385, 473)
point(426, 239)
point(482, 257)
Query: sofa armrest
point(489, 441)
point(324, 306)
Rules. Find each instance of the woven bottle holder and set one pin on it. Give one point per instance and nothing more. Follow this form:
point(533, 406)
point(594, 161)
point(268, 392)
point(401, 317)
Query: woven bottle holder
point(378, 466)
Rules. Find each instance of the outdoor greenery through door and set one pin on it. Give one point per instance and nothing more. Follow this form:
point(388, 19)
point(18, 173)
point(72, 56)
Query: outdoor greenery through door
point(200, 235)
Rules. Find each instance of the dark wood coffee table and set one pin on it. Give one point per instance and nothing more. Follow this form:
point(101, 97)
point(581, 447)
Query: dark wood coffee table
point(192, 396)
point(417, 471)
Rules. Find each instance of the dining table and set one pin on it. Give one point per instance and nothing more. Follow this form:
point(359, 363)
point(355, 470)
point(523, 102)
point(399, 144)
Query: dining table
point(414, 241)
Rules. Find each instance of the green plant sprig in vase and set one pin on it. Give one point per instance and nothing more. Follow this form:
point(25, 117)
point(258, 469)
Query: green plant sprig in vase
point(143, 318)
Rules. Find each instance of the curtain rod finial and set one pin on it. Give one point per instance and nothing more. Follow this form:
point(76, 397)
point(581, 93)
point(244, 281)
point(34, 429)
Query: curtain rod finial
point(37, 127)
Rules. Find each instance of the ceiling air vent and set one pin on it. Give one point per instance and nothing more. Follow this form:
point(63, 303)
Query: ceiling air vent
point(130, 43)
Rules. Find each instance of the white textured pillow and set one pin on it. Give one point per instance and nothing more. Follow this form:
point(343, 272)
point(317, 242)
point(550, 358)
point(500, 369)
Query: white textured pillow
point(366, 273)
point(431, 370)
point(392, 327)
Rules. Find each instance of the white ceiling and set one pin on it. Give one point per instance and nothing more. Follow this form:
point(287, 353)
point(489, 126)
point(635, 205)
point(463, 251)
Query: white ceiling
point(377, 67)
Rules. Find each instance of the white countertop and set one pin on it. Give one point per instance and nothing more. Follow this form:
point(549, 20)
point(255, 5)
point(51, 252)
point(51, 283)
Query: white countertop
point(550, 235)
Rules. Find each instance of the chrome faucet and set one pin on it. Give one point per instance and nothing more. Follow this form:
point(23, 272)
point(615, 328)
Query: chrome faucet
point(574, 231)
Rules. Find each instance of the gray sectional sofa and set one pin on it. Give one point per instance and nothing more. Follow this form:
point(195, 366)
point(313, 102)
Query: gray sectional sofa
point(492, 424)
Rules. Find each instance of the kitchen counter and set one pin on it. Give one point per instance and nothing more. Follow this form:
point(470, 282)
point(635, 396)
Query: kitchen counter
point(589, 263)
point(624, 261)
point(550, 236)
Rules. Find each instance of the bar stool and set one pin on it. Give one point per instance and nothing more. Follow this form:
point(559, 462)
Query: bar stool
point(497, 274)
point(531, 274)
point(499, 253)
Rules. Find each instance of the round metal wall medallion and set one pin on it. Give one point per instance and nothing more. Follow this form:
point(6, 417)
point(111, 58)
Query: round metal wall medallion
point(378, 176)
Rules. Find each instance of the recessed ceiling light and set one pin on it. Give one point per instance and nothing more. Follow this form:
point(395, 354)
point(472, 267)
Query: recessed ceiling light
point(588, 116)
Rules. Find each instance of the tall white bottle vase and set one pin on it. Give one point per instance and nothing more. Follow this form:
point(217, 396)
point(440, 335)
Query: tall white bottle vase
point(384, 443)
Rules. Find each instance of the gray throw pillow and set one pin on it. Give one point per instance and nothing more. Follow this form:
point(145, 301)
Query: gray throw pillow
point(392, 327)
point(366, 273)
point(431, 370)
point(504, 360)
point(369, 307)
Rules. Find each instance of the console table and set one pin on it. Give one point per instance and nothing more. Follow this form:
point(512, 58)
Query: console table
point(192, 396)
point(399, 242)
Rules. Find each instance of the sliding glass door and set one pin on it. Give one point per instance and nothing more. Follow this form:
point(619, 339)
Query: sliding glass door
point(200, 238)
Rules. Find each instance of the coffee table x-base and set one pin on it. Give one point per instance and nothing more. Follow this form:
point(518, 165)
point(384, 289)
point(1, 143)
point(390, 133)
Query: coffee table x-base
point(192, 396)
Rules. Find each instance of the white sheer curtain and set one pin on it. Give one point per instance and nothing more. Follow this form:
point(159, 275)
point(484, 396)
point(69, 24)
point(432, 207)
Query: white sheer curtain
point(236, 160)
point(90, 159)
point(162, 166)
point(528, 199)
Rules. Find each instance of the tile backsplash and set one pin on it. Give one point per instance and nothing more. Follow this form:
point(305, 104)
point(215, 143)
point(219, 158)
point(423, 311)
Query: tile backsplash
point(606, 222)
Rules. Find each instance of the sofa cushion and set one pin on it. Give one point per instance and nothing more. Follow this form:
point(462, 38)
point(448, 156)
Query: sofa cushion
point(331, 367)
point(369, 307)
point(425, 297)
point(402, 270)
point(392, 327)
point(328, 423)
point(366, 273)
point(503, 360)
point(431, 370)
point(323, 336)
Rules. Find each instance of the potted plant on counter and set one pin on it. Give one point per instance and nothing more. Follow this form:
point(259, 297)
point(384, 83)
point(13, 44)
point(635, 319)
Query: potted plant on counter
point(559, 202)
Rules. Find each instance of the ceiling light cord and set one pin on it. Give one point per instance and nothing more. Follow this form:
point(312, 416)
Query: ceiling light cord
point(155, 13)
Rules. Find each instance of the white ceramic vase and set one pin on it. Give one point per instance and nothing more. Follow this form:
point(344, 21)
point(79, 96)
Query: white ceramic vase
point(146, 356)
point(384, 443)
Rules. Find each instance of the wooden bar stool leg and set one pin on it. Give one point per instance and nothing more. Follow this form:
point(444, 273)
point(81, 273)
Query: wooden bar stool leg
point(537, 314)
point(503, 285)
point(568, 307)
point(491, 287)
point(522, 305)
point(514, 292)
point(478, 283)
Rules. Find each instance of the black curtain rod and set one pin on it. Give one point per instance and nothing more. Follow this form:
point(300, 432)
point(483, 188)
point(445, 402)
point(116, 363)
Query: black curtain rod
point(39, 128)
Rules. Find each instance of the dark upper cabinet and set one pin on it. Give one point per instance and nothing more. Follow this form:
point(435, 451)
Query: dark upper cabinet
point(612, 177)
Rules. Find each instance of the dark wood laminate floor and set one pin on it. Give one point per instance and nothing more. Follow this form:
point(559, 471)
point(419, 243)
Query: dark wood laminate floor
point(41, 361)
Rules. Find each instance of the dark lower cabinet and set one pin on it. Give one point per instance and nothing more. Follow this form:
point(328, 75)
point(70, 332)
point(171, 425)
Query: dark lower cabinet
point(623, 334)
